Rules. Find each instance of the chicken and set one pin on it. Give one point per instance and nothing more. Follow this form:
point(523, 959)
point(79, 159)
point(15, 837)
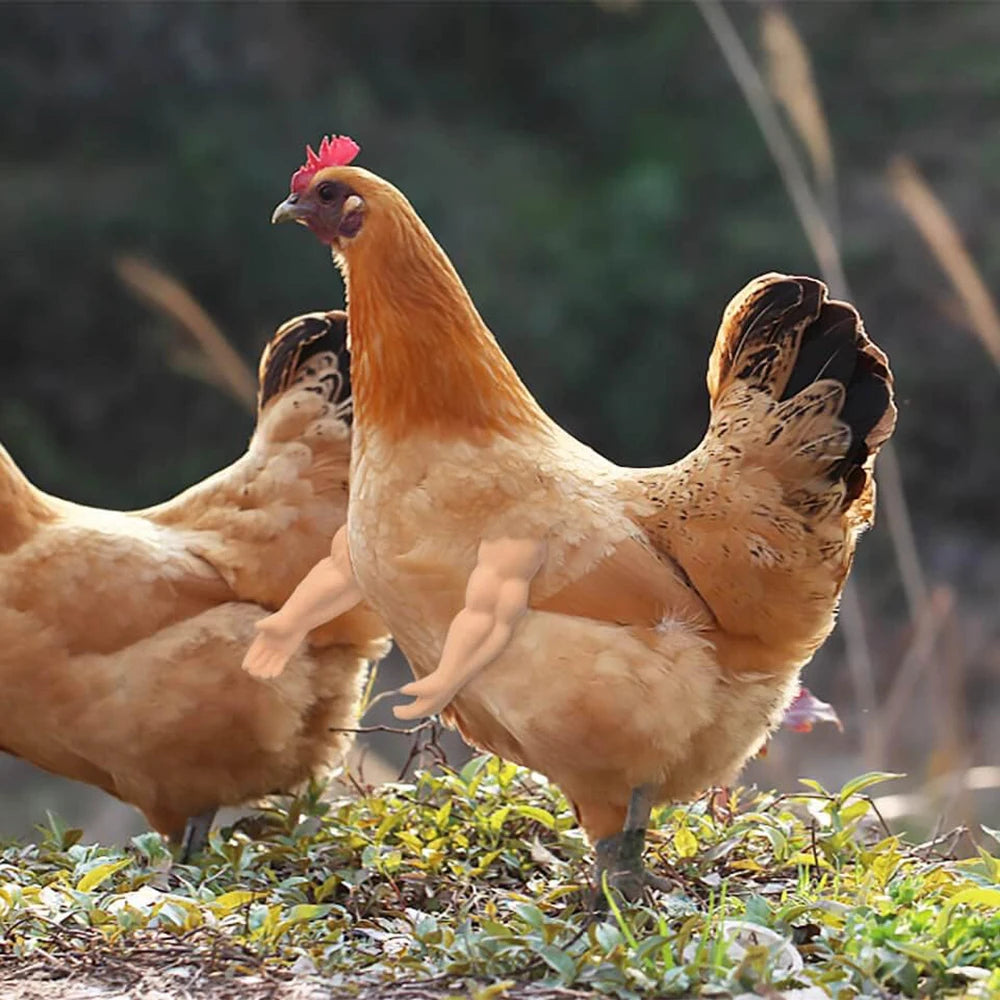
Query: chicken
point(121, 634)
point(633, 634)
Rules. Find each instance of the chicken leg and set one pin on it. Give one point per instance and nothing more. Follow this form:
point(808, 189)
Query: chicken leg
point(195, 835)
point(620, 856)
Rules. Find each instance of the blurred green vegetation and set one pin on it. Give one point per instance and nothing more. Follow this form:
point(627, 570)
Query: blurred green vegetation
point(593, 172)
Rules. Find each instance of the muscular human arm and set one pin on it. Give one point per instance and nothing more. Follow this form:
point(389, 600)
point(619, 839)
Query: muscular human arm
point(327, 591)
point(495, 599)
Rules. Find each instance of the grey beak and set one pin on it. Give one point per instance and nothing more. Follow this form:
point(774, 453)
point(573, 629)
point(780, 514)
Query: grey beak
point(289, 211)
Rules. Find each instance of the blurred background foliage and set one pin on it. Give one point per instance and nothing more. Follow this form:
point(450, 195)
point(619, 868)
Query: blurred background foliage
point(594, 173)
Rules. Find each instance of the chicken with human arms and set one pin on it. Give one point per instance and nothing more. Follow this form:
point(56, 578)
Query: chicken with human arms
point(633, 634)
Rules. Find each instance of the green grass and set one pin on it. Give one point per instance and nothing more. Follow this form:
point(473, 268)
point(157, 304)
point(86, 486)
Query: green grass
point(481, 876)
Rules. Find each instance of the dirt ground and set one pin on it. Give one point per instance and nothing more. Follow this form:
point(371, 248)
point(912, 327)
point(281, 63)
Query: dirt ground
point(158, 985)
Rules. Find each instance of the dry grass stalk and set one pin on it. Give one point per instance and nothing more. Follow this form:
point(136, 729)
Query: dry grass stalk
point(810, 213)
point(953, 751)
point(218, 361)
point(924, 801)
point(857, 651)
point(790, 76)
point(827, 252)
point(893, 497)
point(938, 229)
point(911, 671)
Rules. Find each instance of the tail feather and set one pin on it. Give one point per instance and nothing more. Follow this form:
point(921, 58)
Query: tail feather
point(830, 387)
point(319, 338)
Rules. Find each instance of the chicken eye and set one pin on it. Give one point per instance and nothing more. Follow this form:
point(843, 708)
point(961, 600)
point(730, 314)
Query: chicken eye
point(327, 191)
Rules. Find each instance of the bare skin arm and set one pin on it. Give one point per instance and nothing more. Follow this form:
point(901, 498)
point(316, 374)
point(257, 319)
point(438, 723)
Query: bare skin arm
point(327, 591)
point(495, 598)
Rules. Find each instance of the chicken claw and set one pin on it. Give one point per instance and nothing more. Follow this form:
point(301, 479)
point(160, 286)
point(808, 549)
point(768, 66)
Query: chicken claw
point(619, 857)
point(496, 597)
point(272, 648)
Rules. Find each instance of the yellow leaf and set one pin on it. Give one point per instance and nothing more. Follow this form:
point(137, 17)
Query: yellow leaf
point(990, 898)
point(97, 875)
point(685, 843)
point(307, 911)
point(494, 990)
point(234, 899)
point(804, 858)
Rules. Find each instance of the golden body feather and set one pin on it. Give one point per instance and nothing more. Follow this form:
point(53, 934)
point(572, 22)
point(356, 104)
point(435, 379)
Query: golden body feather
point(675, 606)
point(121, 634)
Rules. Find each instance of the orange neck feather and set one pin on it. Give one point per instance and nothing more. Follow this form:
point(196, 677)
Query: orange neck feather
point(421, 356)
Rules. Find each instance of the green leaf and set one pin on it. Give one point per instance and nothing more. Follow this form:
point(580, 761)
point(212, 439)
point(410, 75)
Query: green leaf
point(496, 929)
point(386, 825)
point(617, 911)
point(442, 815)
point(864, 781)
point(814, 785)
point(97, 875)
point(472, 768)
point(328, 886)
point(530, 914)
point(558, 960)
point(990, 832)
point(608, 936)
point(855, 811)
point(498, 818)
point(779, 842)
point(920, 952)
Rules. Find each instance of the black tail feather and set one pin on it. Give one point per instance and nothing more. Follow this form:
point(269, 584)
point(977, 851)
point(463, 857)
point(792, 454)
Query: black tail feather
point(292, 346)
point(834, 346)
point(781, 335)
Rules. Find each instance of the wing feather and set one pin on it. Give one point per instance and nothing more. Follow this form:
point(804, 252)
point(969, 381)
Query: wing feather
point(631, 586)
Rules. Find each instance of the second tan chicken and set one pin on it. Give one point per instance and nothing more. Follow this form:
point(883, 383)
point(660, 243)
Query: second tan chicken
point(121, 634)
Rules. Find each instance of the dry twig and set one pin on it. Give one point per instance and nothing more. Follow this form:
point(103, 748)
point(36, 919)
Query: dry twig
point(790, 76)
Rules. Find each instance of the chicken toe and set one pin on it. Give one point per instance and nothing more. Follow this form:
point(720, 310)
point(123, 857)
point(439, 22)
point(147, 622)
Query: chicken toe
point(620, 856)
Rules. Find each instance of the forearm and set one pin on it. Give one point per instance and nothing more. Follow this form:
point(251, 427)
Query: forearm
point(496, 597)
point(474, 639)
point(325, 593)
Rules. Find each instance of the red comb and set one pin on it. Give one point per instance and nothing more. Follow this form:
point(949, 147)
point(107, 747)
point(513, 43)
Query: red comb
point(337, 151)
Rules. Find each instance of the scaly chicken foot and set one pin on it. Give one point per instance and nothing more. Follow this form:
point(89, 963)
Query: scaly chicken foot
point(619, 857)
point(195, 835)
